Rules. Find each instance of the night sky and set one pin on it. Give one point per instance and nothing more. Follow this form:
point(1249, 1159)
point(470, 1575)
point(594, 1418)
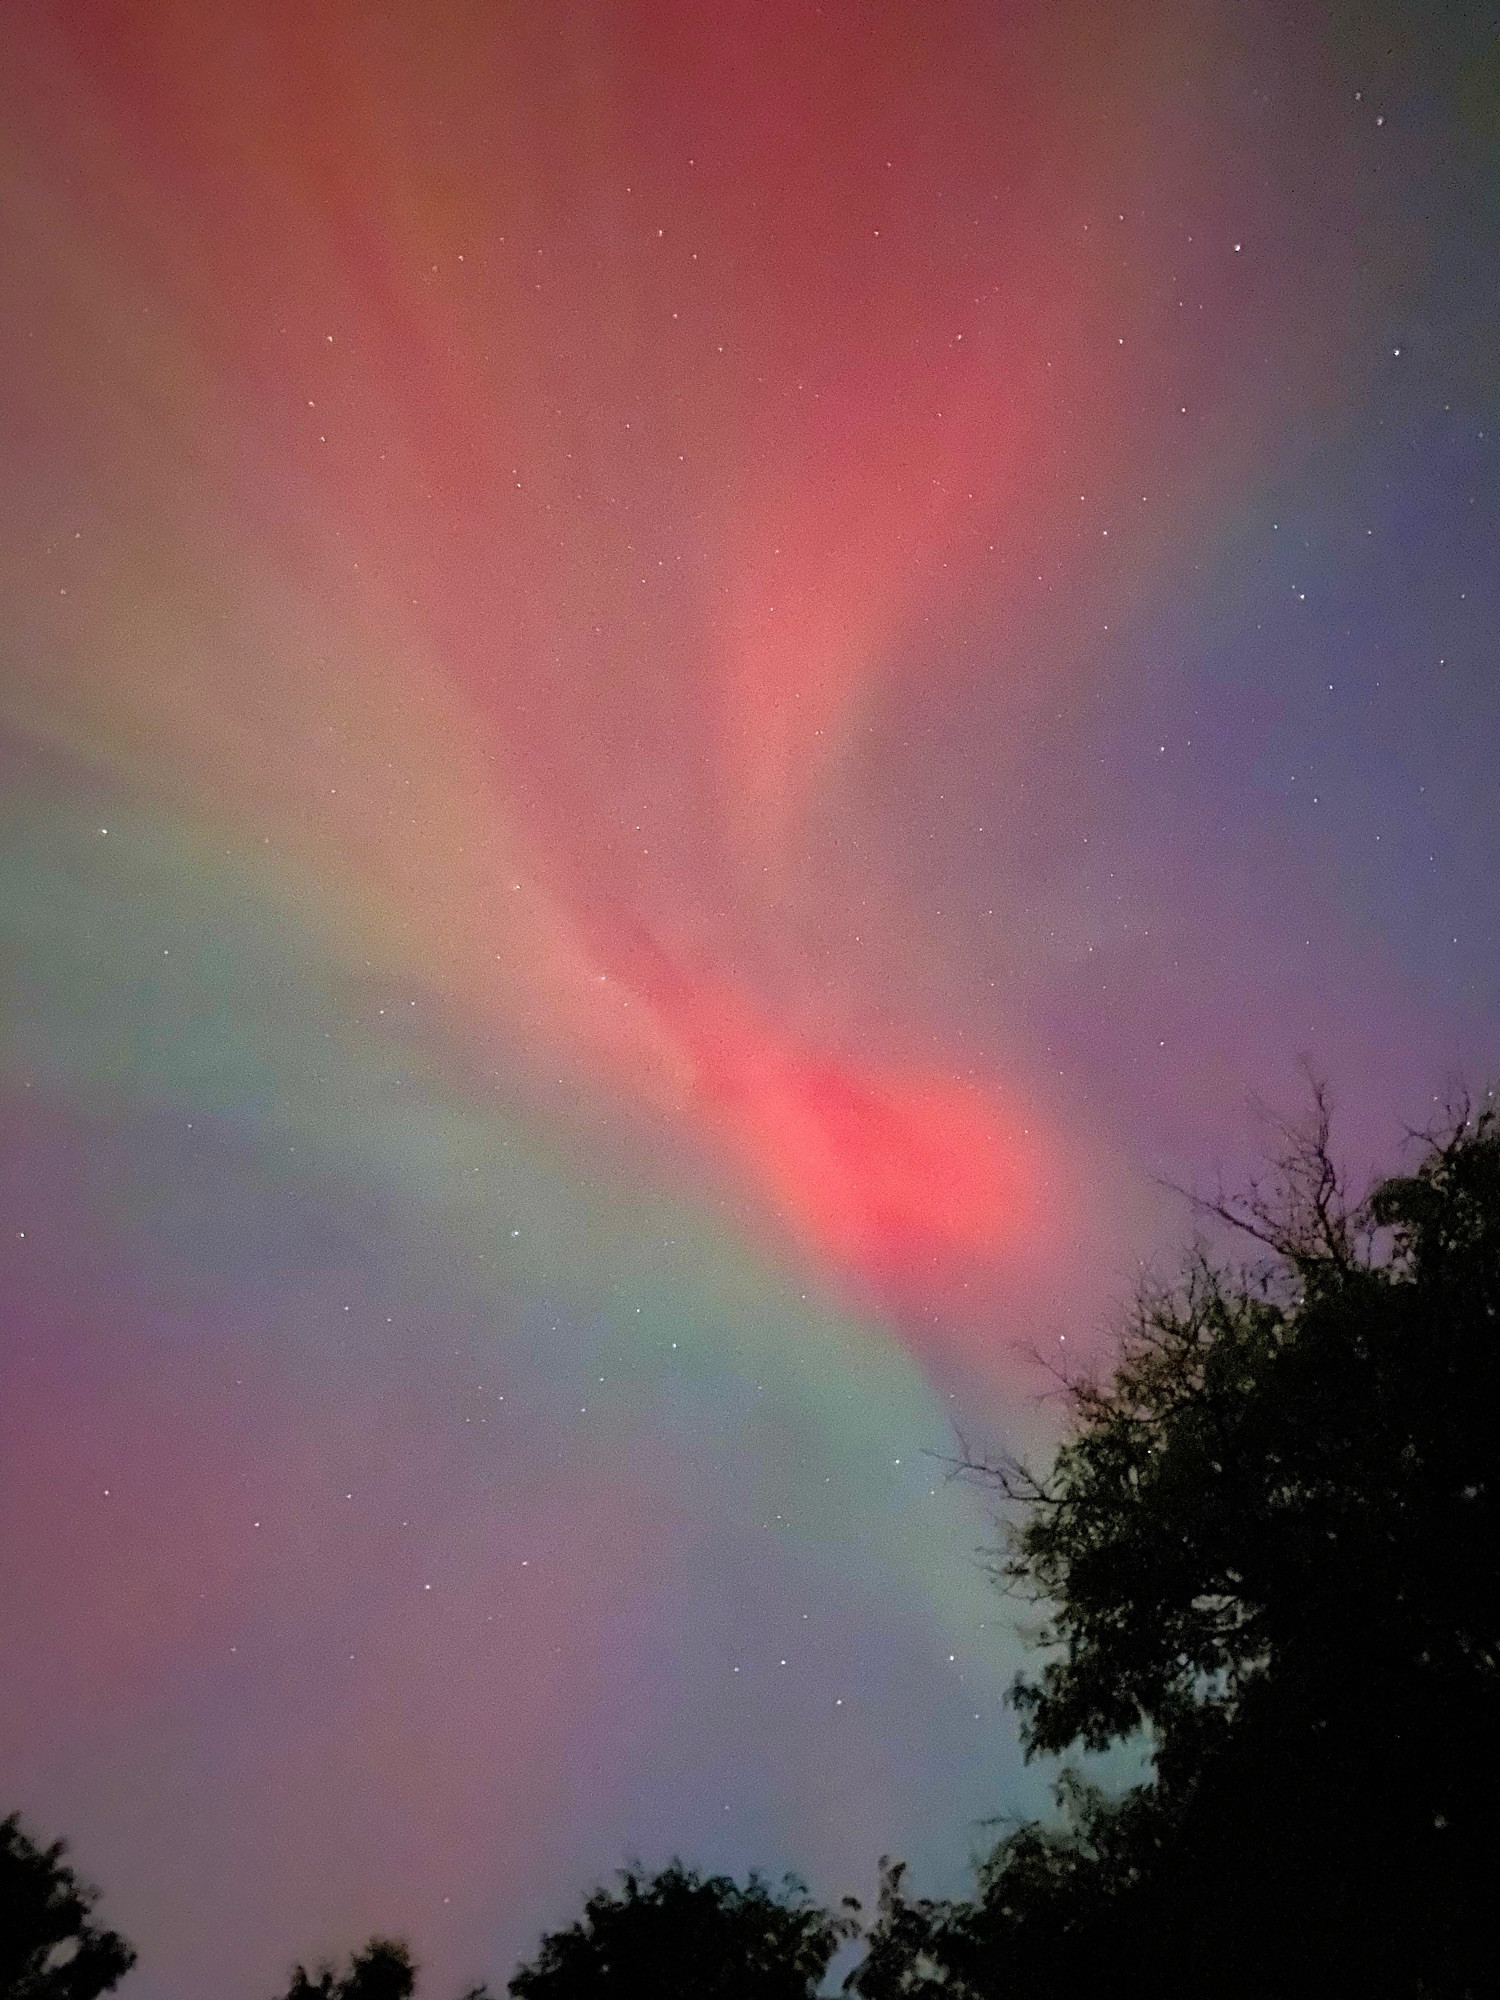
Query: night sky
point(686, 691)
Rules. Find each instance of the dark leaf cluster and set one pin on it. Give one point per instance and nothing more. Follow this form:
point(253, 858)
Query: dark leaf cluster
point(382, 1971)
point(50, 1947)
point(679, 1935)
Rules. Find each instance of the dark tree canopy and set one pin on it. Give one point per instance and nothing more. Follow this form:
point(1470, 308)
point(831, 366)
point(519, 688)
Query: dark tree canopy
point(1268, 1545)
point(50, 1947)
point(684, 1936)
point(382, 1971)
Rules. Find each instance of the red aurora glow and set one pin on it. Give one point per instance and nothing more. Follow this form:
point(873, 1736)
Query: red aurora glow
point(580, 443)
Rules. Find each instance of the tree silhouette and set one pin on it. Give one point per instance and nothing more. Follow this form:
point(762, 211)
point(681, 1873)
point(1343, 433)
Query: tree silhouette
point(50, 1949)
point(1268, 1548)
point(382, 1971)
point(679, 1935)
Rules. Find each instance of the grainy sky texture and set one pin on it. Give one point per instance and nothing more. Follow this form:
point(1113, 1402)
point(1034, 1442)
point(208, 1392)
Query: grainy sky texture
point(684, 691)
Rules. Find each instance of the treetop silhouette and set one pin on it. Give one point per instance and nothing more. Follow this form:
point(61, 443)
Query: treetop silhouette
point(50, 1946)
point(1267, 1548)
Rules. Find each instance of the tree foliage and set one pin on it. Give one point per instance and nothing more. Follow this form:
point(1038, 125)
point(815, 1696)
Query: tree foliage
point(1268, 1546)
point(679, 1935)
point(383, 1970)
point(50, 1947)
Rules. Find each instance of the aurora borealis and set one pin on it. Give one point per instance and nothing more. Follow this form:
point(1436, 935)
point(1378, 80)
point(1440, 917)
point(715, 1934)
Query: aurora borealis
point(686, 691)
